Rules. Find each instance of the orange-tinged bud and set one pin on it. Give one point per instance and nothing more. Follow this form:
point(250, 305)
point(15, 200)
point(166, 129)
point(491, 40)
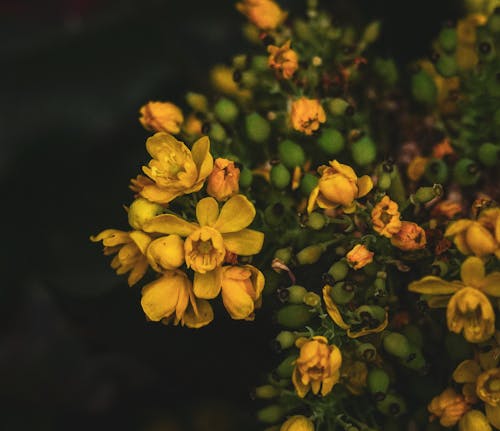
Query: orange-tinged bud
point(307, 115)
point(297, 423)
point(385, 217)
point(161, 117)
point(449, 407)
point(223, 182)
point(359, 256)
point(410, 237)
point(283, 60)
point(265, 14)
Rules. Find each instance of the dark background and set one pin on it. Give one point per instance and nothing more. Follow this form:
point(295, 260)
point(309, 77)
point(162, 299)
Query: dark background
point(75, 349)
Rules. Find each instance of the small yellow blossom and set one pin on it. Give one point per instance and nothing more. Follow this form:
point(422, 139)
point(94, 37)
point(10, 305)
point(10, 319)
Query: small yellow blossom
point(161, 117)
point(416, 168)
point(410, 237)
point(449, 407)
point(192, 126)
point(307, 115)
point(447, 209)
point(468, 309)
point(385, 217)
point(359, 256)
point(480, 237)
point(338, 186)
point(317, 367)
point(170, 298)
point(175, 169)
point(297, 423)
point(488, 387)
point(223, 182)
point(284, 60)
point(265, 14)
point(130, 249)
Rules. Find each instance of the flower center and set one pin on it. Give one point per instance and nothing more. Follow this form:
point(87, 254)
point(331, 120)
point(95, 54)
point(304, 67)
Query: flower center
point(204, 249)
point(494, 385)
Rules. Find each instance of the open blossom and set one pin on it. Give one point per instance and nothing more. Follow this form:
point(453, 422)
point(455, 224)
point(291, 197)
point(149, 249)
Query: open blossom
point(265, 14)
point(410, 237)
point(317, 367)
point(385, 217)
point(161, 117)
point(175, 169)
point(469, 309)
point(449, 407)
point(359, 256)
point(283, 60)
point(223, 182)
point(170, 298)
point(307, 115)
point(338, 186)
point(130, 249)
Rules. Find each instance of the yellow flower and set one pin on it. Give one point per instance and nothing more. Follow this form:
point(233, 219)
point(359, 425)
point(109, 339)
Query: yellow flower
point(283, 60)
point(359, 256)
point(481, 237)
point(338, 185)
point(138, 183)
point(208, 241)
point(297, 423)
point(449, 407)
point(175, 169)
point(170, 298)
point(161, 117)
point(474, 420)
point(353, 331)
point(307, 115)
point(223, 182)
point(130, 249)
point(265, 14)
point(385, 217)
point(416, 168)
point(467, 373)
point(410, 237)
point(317, 367)
point(468, 309)
point(241, 290)
point(222, 79)
point(447, 209)
point(166, 253)
point(488, 387)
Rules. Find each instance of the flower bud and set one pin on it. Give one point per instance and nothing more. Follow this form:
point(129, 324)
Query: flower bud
point(310, 254)
point(338, 106)
point(488, 154)
point(474, 420)
point(161, 117)
point(266, 392)
point(466, 172)
point(387, 70)
point(371, 312)
point(379, 287)
point(331, 141)
point(248, 79)
point(257, 128)
point(291, 154)
point(423, 88)
point(259, 63)
point(392, 405)
point(311, 299)
point(426, 194)
point(447, 66)
point(280, 176)
point(308, 183)
point(246, 177)
point(436, 171)
point(366, 351)
point(364, 151)
point(384, 181)
point(359, 257)
point(396, 344)
point(297, 423)
point(448, 39)
point(316, 221)
point(285, 339)
point(217, 132)
point(296, 294)
point(226, 110)
point(339, 270)
point(141, 211)
point(294, 316)
point(342, 293)
point(378, 381)
point(371, 32)
point(271, 414)
point(285, 368)
point(284, 254)
point(414, 335)
point(198, 102)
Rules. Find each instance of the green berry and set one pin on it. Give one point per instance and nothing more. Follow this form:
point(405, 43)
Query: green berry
point(392, 405)
point(466, 172)
point(342, 293)
point(339, 270)
point(447, 66)
point(308, 183)
point(226, 110)
point(331, 141)
point(448, 39)
point(296, 294)
point(217, 132)
point(378, 381)
point(280, 176)
point(291, 154)
point(397, 344)
point(285, 339)
point(294, 316)
point(488, 154)
point(259, 63)
point(436, 171)
point(246, 177)
point(257, 128)
point(423, 88)
point(364, 151)
point(316, 221)
point(338, 106)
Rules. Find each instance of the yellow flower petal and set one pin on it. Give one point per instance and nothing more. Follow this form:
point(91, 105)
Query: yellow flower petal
point(474, 420)
point(160, 195)
point(169, 224)
point(301, 389)
point(207, 285)
point(437, 301)
point(238, 303)
point(246, 242)
point(141, 240)
point(467, 371)
point(461, 243)
point(493, 415)
point(159, 298)
point(330, 382)
point(432, 285)
point(137, 272)
point(111, 237)
point(457, 227)
point(203, 317)
point(332, 308)
point(345, 170)
point(472, 271)
point(491, 284)
point(166, 252)
point(207, 211)
point(312, 199)
point(202, 157)
point(236, 214)
point(365, 184)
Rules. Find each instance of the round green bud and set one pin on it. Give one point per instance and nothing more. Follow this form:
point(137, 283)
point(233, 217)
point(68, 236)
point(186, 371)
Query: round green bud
point(280, 176)
point(379, 287)
point(342, 293)
point(378, 381)
point(259, 63)
point(447, 66)
point(415, 360)
point(294, 316)
point(448, 39)
point(285, 368)
point(285, 339)
point(466, 172)
point(274, 213)
point(339, 270)
point(310, 254)
point(397, 344)
point(384, 181)
point(291, 154)
point(414, 335)
point(316, 221)
point(296, 294)
point(198, 102)
point(331, 141)
point(372, 32)
point(436, 171)
point(387, 70)
point(372, 312)
point(488, 154)
point(226, 110)
point(284, 254)
point(423, 88)
point(308, 183)
point(364, 151)
point(141, 211)
point(366, 352)
point(271, 414)
point(266, 392)
point(240, 61)
point(257, 128)
point(338, 106)
point(246, 177)
point(426, 194)
point(249, 79)
point(392, 405)
point(486, 49)
point(217, 132)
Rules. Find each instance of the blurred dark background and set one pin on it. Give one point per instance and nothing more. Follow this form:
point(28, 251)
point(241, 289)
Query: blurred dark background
point(75, 349)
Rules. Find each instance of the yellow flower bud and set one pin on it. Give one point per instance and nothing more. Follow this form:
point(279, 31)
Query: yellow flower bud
point(359, 256)
point(297, 423)
point(410, 237)
point(141, 211)
point(449, 407)
point(223, 182)
point(385, 217)
point(161, 117)
point(265, 14)
point(283, 60)
point(307, 115)
point(474, 420)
